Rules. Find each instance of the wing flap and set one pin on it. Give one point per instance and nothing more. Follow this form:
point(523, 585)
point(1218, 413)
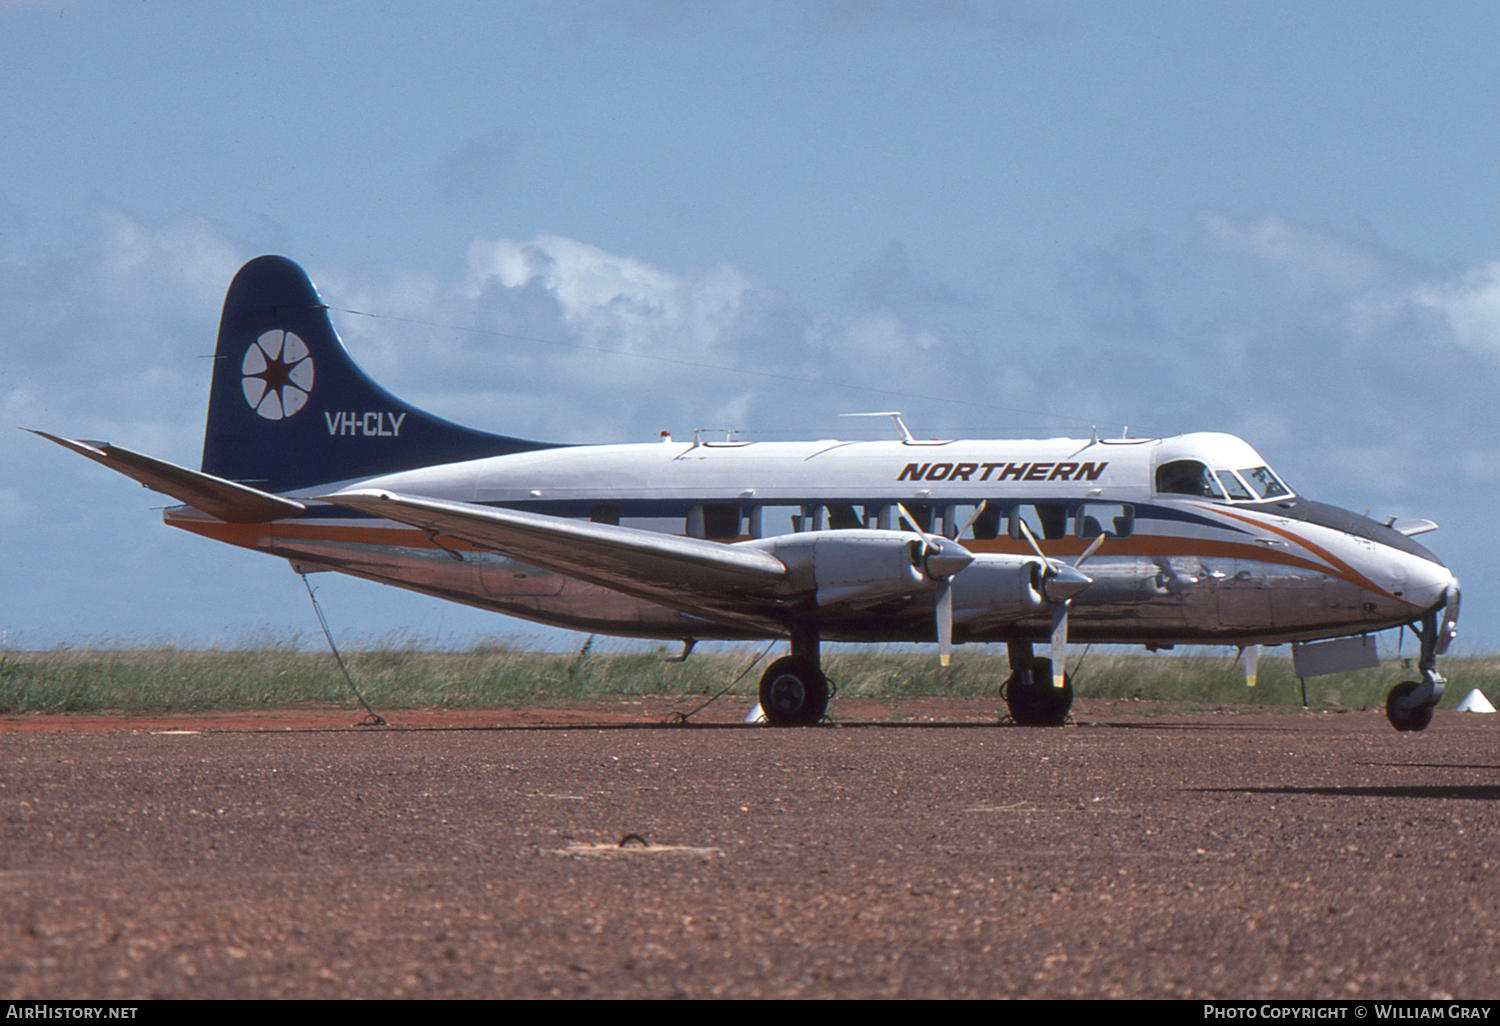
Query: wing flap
point(227, 500)
point(662, 567)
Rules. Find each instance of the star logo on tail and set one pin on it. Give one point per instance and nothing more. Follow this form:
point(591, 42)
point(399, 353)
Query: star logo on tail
point(278, 375)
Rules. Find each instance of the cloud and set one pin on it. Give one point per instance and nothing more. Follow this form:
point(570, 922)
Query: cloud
point(108, 338)
point(1469, 306)
point(1306, 258)
point(892, 281)
point(607, 299)
point(1346, 362)
point(559, 339)
point(1360, 386)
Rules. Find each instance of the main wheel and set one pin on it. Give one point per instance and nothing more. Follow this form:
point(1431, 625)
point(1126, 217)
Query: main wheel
point(793, 692)
point(1033, 701)
point(1406, 718)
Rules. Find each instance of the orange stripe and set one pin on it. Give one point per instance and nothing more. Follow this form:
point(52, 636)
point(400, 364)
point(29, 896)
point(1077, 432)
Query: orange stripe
point(1340, 569)
point(1139, 545)
point(1149, 546)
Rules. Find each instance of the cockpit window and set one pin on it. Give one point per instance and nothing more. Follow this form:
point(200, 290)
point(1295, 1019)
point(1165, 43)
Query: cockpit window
point(1188, 477)
point(1191, 477)
point(1265, 483)
point(1237, 489)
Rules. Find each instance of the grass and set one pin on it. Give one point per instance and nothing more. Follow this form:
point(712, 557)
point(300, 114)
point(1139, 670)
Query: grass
point(163, 678)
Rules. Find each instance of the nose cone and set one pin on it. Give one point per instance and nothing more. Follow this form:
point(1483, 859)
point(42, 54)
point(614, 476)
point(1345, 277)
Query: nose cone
point(944, 558)
point(1061, 582)
point(1432, 587)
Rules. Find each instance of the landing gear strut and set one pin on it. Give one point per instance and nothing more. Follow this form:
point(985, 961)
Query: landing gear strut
point(1029, 692)
point(793, 690)
point(1409, 705)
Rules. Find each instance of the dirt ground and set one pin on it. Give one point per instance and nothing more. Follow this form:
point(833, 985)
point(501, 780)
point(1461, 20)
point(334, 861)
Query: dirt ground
point(913, 849)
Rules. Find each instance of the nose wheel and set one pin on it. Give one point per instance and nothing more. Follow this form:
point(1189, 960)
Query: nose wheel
point(1409, 705)
point(1405, 709)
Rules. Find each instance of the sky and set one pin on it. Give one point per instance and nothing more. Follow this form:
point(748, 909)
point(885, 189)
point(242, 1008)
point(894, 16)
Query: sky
point(596, 220)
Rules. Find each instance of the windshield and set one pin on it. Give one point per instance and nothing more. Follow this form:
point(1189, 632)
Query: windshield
point(1237, 489)
point(1265, 483)
point(1190, 477)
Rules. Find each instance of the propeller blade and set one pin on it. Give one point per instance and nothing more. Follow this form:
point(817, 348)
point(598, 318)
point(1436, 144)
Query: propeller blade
point(942, 558)
point(1252, 663)
point(1093, 548)
point(1059, 585)
point(945, 623)
point(1032, 539)
point(1060, 644)
point(910, 520)
point(978, 512)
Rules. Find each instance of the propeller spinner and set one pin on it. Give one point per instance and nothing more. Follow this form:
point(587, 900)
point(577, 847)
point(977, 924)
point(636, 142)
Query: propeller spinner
point(1060, 583)
point(942, 559)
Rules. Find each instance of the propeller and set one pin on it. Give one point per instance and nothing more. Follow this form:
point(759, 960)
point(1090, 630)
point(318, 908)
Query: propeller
point(974, 519)
point(1252, 663)
point(1060, 583)
point(942, 559)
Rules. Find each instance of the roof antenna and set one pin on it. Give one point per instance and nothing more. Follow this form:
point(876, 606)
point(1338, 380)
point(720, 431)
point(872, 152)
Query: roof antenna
point(895, 416)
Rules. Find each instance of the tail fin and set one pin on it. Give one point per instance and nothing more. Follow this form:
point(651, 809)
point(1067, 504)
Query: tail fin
point(289, 409)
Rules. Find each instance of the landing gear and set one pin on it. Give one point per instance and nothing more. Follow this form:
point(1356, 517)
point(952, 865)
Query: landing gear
point(1399, 708)
point(793, 691)
point(1409, 705)
point(1029, 692)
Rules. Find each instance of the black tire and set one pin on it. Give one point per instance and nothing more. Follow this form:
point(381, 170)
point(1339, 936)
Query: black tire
point(793, 692)
point(1406, 719)
point(1033, 701)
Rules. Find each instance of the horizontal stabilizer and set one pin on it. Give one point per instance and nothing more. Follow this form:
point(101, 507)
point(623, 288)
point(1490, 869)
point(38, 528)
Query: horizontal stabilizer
point(662, 567)
point(231, 502)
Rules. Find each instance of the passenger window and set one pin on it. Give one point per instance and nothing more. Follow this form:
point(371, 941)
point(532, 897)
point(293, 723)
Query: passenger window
point(772, 521)
point(981, 522)
point(843, 517)
point(920, 512)
point(715, 521)
point(1112, 520)
point(1046, 520)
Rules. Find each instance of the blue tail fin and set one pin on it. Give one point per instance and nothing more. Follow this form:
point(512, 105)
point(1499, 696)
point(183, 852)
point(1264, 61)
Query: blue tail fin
point(289, 409)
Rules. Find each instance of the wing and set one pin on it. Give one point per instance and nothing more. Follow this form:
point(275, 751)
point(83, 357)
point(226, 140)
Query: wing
point(231, 502)
point(679, 572)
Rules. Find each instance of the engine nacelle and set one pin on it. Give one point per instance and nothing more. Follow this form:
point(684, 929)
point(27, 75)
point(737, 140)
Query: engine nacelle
point(862, 567)
point(996, 588)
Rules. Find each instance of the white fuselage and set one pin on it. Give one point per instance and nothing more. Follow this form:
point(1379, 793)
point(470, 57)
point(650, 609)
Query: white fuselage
point(1201, 542)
